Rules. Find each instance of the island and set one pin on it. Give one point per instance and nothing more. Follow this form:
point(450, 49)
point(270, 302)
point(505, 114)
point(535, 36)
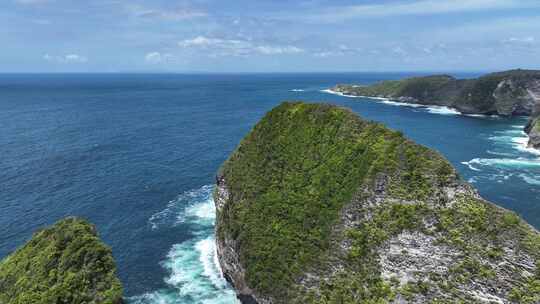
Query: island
point(317, 205)
point(515, 92)
point(64, 263)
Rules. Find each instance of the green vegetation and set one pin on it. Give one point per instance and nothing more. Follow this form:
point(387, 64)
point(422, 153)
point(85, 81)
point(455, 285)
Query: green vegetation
point(296, 170)
point(294, 174)
point(420, 88)
point(534, 124)
point(466, 95)
point(66, 263)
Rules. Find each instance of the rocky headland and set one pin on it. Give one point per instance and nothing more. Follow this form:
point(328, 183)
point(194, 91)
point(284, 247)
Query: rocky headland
point(317, 205)
point(515, 92)
point(65, 263)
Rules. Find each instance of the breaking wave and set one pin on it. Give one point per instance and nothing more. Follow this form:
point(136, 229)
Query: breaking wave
point(441, 110)
point(516, 138)
point(512, 158)
point(503, 162)
point(194, 276)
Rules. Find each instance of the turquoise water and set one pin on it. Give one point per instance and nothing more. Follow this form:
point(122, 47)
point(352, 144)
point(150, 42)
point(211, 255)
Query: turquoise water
point(137, 154)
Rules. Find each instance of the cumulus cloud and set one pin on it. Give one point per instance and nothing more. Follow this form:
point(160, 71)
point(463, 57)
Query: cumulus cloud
point(68, 58)
point(237, 47)
point(157, 57)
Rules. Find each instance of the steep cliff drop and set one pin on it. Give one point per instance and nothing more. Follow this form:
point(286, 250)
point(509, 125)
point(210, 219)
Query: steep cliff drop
point(533, 128)
point(317, 205)
point(65, 263)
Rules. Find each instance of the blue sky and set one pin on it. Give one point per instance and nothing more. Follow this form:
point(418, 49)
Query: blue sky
point(268, 36)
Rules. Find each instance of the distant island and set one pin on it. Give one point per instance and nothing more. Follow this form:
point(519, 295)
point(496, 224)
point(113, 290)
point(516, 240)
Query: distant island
point(317, 205)
point(515, 92)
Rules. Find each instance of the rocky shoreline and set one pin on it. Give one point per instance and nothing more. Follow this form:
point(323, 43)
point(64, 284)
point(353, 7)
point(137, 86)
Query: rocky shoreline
point(392, 221)
point(508, 93)
point(228, 256)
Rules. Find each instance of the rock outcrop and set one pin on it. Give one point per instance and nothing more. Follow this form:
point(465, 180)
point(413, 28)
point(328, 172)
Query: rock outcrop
point(317, 205)
point(533, 128)
point(65, 263)
point(515, 92)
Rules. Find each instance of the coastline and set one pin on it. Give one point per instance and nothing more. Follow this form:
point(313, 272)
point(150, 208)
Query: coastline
point(435, 109)
point(521, 143)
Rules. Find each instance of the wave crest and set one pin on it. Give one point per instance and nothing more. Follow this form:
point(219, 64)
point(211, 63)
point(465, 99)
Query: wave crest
point(195, 276)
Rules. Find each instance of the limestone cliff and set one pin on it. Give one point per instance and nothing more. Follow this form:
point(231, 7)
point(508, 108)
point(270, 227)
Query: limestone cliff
point(533, 128)
point(317, 205)
point(515, 92)
point(65, 263)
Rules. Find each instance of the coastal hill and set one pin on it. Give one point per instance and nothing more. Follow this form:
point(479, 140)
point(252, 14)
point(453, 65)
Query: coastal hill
point(65, 263)
point(317, 205)
point(515, 92)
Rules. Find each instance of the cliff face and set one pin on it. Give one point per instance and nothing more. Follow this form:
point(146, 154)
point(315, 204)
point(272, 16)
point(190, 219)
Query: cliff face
point(65, 263)
point(319, 206)
point(507, 93)
point(533, 128)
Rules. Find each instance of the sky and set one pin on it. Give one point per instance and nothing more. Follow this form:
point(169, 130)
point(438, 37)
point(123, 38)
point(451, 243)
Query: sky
point(268, 36)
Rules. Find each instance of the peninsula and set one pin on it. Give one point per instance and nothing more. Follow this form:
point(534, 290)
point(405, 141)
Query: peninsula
point(515, 92)
point(317, 205)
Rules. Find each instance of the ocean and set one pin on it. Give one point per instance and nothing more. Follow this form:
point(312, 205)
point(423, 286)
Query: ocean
point(137, 154)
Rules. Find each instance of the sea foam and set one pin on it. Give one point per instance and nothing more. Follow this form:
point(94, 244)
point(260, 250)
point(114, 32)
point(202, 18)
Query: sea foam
point(516, 138)
point(195, 276)
point(441, 110)
point(503, 163)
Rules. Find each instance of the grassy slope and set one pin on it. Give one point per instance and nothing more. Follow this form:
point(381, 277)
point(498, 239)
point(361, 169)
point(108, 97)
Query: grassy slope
point(292, 175)
point(421, 88)
point(66, 263)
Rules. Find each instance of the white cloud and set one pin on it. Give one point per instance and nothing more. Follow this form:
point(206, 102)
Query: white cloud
point(203, 42)
point(157, 57)
point(173, 15)
point(237, 47)
point(341, 50)
point(419, 7)
point(68, 58)
point(492, 32)
point(399, 50)
point(75, 58)
point(524, 40)
point(270, 50)
point(165, 14)
point(31, 1)
point(324, 54)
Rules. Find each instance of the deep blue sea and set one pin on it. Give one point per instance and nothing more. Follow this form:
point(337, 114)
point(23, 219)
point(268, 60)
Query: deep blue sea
point(136, 155)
